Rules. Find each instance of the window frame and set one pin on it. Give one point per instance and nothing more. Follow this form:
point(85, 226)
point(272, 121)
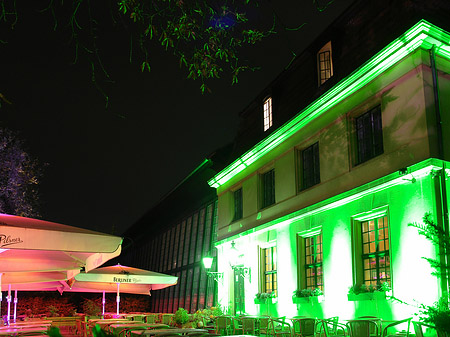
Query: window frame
point(303, 183)
point(301, 258)
point(325, 50)
point(264, 192)
point(264, 273)
point(359, 256)
point(372, 140)
point(238, 204)
point(267, 113)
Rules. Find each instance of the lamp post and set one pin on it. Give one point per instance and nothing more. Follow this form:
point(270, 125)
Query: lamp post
point(237, 260)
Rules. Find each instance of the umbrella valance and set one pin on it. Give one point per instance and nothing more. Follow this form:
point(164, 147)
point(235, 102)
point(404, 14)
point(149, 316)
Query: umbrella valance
point(127, 275)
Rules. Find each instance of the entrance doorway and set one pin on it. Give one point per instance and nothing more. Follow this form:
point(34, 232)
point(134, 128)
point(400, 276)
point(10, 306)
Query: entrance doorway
point(239, 292)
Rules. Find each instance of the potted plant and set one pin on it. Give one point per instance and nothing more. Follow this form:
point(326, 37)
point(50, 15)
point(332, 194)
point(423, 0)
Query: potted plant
point(307, 296)
point(363, 292)
point(205, 317)
point(181, 317)
point(265, 298)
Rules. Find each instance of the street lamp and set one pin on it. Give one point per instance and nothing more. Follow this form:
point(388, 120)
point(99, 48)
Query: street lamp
point(207, 263)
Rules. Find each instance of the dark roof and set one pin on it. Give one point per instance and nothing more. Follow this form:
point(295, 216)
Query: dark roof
point(356, 35)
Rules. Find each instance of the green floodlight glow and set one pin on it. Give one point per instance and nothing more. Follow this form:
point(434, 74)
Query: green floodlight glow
point(419, 171)
point(422, 35)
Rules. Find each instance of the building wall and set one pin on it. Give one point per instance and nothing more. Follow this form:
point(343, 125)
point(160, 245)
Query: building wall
point(404, 201)
point(408, 137)
point(402, 183)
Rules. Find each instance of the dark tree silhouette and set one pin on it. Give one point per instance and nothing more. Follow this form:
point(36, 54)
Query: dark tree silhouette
point(19, 177)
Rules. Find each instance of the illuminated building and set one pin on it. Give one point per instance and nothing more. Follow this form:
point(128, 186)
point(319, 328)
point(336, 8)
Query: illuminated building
point(325, 195)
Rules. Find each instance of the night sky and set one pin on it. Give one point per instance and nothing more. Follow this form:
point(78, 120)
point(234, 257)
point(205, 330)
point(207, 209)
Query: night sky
point(108, 166)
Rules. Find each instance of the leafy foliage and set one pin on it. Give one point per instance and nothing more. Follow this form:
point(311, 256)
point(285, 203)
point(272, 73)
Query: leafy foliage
point(263, 296)
point(98, 332)
point(436, 235)
point(91, 308)
point(307, 292)
point(206, 36)
point(181, 316)
point(54, 332)
point(362, 288)
point(439, 313)
point(205, 316)
point(19, 177)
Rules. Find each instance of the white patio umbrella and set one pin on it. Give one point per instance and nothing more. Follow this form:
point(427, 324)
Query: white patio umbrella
point(35, 246)
point(123, 279)
point(112, 279)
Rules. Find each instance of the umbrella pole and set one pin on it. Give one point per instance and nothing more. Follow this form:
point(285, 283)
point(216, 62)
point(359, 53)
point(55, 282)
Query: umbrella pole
point(15, 305)
point(1, 295)
point(8, 299)
point(103, 303)
point(118, 299)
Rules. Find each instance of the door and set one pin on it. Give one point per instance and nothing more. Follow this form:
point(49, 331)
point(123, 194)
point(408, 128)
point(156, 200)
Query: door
point(239, 292)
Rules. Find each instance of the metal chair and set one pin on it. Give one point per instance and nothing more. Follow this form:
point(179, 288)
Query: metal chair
point(278, 327)
point(364, 327)
point(330, 327)
point(396, 323)
point(303, 326)
point(250, 326)
point(167, 319)
point(263, 324)
point(227, 325)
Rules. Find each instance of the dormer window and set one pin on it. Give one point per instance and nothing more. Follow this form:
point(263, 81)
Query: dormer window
point(324, 63)
point(267, 113)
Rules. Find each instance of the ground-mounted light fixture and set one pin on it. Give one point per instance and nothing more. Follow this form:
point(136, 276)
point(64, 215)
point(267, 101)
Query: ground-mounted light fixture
point(207, 263)
point(237, 260)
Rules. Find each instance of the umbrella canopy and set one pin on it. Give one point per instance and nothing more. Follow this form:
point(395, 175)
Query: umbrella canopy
point(105, 278)
point(111, 279)
point(34, 251)
point(31, 245)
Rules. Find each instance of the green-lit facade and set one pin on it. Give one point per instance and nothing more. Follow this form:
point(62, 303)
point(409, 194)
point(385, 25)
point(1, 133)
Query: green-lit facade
point(351, 170)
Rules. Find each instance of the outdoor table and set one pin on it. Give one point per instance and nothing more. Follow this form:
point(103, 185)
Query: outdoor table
point(95, 321)
point(31, 323)
point(105, 322)
point(135, 317)
point(117, 328)
point(15, 331)
point(157, 332)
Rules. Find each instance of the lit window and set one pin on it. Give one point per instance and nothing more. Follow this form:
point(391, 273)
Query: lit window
point(268, 188)
point(310, 168)
point(267, 113)
point(324, 63)
point(269, 270)
point(237, 204)
point(375, 251)
point(369, 135)
point(313, 262)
